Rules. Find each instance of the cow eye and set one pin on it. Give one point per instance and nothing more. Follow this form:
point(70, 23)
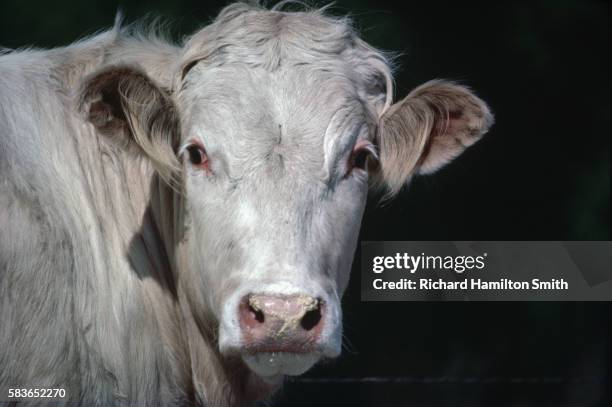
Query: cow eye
point(360, 159)
point(360, 155)
point(197, 156)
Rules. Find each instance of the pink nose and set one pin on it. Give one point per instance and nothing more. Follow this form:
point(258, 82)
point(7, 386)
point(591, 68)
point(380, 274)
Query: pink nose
point(276, 323)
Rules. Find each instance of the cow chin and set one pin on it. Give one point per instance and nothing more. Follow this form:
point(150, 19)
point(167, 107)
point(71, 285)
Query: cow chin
point(273, 366)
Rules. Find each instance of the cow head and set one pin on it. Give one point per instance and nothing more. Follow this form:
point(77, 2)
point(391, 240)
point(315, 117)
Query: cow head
point(272, 130)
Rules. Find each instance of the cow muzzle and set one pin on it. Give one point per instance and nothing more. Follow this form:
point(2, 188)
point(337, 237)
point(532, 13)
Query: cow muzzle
point(280, 333)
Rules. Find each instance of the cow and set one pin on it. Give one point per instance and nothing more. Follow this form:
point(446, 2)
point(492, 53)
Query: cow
point(178, 221)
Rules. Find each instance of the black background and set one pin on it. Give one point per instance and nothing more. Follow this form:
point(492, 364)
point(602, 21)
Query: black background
point(542, 173)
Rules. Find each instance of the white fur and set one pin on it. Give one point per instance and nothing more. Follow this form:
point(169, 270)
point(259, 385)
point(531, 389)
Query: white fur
point(120, 287)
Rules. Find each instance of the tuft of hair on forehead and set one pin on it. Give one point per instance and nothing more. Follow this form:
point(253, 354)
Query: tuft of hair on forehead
point(250, 34)
point(262, 37)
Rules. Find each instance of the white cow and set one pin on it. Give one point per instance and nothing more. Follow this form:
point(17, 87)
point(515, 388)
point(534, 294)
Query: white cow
point(178, 222)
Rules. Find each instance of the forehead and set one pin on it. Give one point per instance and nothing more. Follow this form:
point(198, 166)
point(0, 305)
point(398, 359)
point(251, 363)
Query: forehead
point(273, 82)
point(297, 116)
point(297, 98)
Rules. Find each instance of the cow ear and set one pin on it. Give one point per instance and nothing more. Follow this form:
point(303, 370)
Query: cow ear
point(124, 104)
point(427, 129)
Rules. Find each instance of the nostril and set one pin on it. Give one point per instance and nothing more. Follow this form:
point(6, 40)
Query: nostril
point(311, 318)
point(292, 316)
point(257, 314)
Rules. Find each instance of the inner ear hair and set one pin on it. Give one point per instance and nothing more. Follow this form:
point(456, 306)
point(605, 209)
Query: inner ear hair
point(101, 98)
point(124, 104)
point(431, 126)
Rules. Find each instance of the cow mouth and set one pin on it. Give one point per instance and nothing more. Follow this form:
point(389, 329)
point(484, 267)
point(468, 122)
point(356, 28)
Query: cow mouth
point(272, 366)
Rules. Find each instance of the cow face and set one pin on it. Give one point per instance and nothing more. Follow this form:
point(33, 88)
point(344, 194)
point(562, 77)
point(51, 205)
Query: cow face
point(276, 178)
point(276, 125)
